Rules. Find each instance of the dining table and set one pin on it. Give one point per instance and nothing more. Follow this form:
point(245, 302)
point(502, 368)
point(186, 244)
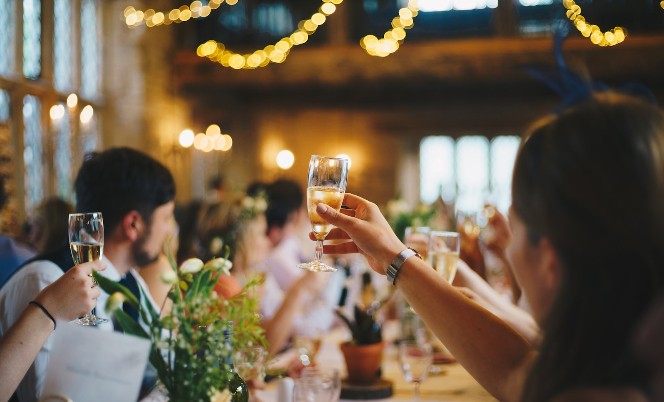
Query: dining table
point(448, 382)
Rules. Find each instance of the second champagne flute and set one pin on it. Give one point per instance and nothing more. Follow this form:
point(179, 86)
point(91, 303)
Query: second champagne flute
point(326, 185)
point(86, 241)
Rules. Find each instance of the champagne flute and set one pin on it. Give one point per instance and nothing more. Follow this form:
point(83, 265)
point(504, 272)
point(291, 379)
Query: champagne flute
point(415, 359)
point(86, 242)
point(326, 185)
point(444, 253)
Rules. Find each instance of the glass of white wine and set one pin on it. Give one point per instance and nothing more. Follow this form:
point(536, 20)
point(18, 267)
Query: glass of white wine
point(86, 242)
point(444, 253)
point(326, 185)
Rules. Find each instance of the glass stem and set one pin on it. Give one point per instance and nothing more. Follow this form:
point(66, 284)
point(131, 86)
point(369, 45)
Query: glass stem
point(416, 391)
point(319, 250)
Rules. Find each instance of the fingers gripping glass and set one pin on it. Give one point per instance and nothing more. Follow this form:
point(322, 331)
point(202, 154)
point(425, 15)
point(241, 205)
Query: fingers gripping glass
point(326, 185)
point(86, 242)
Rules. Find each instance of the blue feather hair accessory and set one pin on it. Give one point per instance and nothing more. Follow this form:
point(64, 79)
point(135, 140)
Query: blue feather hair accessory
point(571, 86)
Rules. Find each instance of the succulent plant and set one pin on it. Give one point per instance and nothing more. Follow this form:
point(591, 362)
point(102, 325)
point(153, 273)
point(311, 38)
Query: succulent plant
point(364, 328)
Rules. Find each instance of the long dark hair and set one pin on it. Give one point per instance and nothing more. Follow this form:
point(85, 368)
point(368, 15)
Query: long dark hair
point(590, 181)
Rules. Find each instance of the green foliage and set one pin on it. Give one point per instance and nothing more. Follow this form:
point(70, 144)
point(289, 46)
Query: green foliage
point(400, 216)
point(188, 346)
point(363, 328)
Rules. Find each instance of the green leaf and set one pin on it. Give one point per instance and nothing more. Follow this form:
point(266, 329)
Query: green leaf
point(111, 287)
point(129, 325)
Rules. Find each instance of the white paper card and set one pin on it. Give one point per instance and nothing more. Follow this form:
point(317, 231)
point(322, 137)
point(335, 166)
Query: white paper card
point(87, 364)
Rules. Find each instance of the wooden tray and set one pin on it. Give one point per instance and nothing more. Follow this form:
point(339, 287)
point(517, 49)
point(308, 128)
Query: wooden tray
point(378, 390)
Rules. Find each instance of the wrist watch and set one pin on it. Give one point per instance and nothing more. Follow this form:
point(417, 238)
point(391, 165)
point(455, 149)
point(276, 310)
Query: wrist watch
point(394, 268)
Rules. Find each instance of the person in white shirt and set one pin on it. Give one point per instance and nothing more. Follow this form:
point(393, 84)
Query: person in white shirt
point(71, 296)
point(135, 195)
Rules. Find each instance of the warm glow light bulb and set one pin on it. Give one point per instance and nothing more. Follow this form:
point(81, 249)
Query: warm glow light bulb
point(86, 114)
point(186, 138)
point(57, 112)
point(213, 130)
point(72, 100)
point(285, 159)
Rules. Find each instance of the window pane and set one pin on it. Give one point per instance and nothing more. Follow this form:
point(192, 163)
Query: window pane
point(4, 105)
point(472, 157)
point(62, 46)
point(90, 57)
point(90, 135)
point(32, 38)
point(437, 169)
point(32, 151)
point(7, 54)
point(503, 153)
point(63, 157)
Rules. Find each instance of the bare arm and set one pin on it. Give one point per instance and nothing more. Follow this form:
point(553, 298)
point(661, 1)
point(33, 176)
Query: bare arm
point(487, 297)
point(497, 356)
point(69, 297)
point(280, 327)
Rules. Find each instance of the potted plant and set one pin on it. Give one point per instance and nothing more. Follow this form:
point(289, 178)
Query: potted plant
point(364, 352)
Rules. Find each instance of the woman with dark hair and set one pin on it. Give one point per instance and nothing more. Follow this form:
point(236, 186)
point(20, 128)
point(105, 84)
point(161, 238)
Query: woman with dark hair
point(587, 249)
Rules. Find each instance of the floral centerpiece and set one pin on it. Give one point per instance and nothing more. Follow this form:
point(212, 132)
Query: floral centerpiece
point(192, 345)
point(400, 215)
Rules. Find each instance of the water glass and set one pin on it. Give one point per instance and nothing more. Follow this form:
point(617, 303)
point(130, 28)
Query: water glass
point(317, 385)
point(415, 358)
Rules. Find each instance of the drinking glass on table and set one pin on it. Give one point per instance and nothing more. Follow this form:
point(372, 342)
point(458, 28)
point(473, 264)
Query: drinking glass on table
point(317, 385)
point(326, 185)
point(250, 364)
point(86, 242)
point(444, 253)
point(415, 359)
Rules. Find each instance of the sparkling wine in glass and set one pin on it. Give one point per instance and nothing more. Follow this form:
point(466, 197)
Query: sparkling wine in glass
point(444, 253)
point(86, 242)
point(326, 185)
point(415, 359)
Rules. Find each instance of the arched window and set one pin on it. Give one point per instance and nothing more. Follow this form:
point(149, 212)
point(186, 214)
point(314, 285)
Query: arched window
point(469, 171)
point(7, 41)
point(32, 38)
point(62, 46)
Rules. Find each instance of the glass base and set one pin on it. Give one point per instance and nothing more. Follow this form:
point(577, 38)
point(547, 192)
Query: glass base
point(90, 320)
point(316, 266)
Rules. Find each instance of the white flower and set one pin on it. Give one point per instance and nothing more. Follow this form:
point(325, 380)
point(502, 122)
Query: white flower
point(169, 277)
point(114, 302)
point(220, 264)
point(397, 207)
point(248, 203)
point(221, 396)
point(215, 245)
point(261, 204)
point(191, 266)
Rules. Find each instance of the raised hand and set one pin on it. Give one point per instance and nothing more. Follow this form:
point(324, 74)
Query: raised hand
point(366, 230)
point(74, 293)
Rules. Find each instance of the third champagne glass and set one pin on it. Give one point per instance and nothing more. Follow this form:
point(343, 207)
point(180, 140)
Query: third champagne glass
point(86, 241)
point(326, 185)
point(444, 253)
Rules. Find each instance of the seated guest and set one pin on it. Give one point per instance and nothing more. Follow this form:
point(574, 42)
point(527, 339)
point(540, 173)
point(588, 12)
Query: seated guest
point(242, 227)
point(12, 252)
point(135, 195)
point(587, 220)
point(48, 226)
point(71, 296)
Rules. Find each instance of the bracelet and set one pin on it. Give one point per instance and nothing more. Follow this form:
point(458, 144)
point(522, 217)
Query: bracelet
point(42, 308)
point(394, 268)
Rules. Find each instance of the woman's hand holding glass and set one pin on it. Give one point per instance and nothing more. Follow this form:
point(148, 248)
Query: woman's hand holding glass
point(326, 185)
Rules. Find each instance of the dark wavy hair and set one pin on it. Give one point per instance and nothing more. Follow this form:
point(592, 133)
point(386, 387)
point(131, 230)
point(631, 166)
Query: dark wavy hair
point(120, 180)
point(590, 181)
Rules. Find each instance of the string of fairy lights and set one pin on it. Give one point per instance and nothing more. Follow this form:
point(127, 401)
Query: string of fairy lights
point(279, 51)
point(609, 38)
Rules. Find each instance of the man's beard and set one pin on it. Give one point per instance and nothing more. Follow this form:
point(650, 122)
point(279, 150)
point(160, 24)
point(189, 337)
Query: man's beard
point(141, 256)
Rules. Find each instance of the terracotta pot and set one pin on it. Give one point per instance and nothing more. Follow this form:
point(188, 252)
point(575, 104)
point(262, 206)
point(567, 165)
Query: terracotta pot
point(362, 361)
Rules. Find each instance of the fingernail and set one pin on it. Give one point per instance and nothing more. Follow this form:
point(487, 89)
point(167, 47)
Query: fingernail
point(321, 208)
